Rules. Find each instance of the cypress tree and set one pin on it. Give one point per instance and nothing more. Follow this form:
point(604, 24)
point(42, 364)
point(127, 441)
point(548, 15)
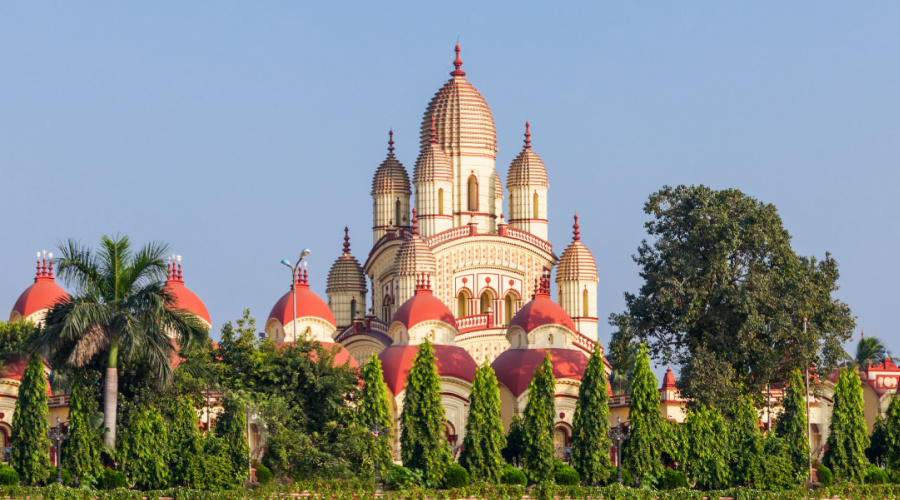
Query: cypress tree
point(745, 440)
point(423, 442)
point(643, 457)
point(31, 446)
point(538, 424)
point(484, 441)
point(891, 430)
point(230, 428)
point(375, 408)
point(792, 426)
point(848, 438)
point(706, 457)
point(590, 425)
point(186, 441)
point(144, 450)
point(81, 453)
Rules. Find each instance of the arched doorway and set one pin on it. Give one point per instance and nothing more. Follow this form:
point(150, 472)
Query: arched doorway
point(509, 303)
point(487, 298)
point(473, 194)
point(561, 443)
point(462, 304)
point(536, 211)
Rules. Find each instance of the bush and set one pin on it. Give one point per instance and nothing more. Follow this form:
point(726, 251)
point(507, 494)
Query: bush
point(627, 478)
point(566, 476)
point(456, 477)
point(8, 476)
point(263, 474)
point(671, 479)
point(66, 477)
point(401, 478)
point(826, 477)
point(512, 475)
point(111, 479)
point(876, 475)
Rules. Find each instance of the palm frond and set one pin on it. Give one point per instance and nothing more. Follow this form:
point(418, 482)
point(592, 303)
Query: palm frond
point(79, 268)
point(69, 324)
point(147, 267)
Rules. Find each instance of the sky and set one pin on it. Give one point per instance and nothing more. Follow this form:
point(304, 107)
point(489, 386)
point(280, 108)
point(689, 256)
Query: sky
point(240, 133)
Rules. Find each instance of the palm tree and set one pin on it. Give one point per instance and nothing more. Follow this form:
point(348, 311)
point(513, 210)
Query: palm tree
point(119, 311)
point(870, 350)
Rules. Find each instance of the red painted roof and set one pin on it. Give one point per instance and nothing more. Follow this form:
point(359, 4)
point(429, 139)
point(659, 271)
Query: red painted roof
point(542, 311)
point(669, 380)
point(887, 365)
point(516, 367)
point(452, 361)
point(43, 294)
point(186, 299)
point(14, 368)
point(308, 304)
point(423, 306)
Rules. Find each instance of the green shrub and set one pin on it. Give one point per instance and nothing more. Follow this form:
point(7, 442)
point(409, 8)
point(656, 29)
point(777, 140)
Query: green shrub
point(566, 476)
point(263, 474)
point(8, 476)
point(826, 477)
point(876, 475)
point(401, 478)
point(671, 479)
point(512, 475)
point(66, 476)
point(772, 469)
point(111, 479)
point(627, 478)
point(456, 476)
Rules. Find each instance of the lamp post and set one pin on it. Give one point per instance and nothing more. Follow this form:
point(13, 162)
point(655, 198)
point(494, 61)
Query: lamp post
point(293, 269)
point(618, 437)
point(56, 435)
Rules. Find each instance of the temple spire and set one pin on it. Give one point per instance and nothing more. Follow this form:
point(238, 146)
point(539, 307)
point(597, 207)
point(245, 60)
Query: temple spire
point(346, 240)
point(527, 135)
point(576, 233)
point(458, 63)
point(391, 142)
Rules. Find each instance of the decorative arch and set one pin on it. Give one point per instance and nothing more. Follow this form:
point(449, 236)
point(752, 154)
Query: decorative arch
point(509, 306)
point(440, 201)
point(386, 305)
point(352, 309)
point(397, 213)
point(462, 303)
point(535, 207)
point(584, 303)
point(486, 301)
point(472, 192)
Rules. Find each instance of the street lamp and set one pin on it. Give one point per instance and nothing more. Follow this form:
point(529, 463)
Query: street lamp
point(618, 437)
point(293, 269)
point(56, 435)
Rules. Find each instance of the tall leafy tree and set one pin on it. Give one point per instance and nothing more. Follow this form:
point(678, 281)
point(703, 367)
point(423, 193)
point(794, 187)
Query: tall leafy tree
point(31, 446)
point(892, 434)
point(186, 442)
point(230, 428)
point(590, 424)
point(14, 338)
point(538, 424)
point(484, 442)
point(706, 461)
point(643, 457)
point(792, 426)
point(81, 452)
point(719, 272)
point(745, 440)
point(423, 442)
point(375, 410)
point(514, 452)
point(120, 312)
point(848, 438)
point(144, 450)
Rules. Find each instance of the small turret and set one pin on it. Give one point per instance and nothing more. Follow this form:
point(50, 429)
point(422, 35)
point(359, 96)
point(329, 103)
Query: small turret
point(390, 194)
point(527, 186)
point(576, 283)
point(346, 287)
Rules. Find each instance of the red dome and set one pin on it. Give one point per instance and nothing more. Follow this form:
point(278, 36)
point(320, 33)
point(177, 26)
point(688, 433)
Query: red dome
point(423, 306)
point(186, 299)
point(342, 356)
point(308, 305)
point(542, 311)
point(14, 368)
point(43, 294)
point(515, 367)
point(452, 361)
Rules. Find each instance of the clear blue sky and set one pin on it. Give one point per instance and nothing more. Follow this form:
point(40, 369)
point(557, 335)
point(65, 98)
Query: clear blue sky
point(240, 133)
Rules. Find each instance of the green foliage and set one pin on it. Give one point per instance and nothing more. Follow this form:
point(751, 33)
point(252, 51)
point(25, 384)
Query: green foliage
point(672, 479)
point(81, 451)
point(772, 468)
point(745, 440)
point(230, 428)
point(876, 475)
point(673, 444)
point(8, 476)
point(710, 379)
point(65, 475)
point(538, 424)
point(848, 437)
point(869, 350)
point(590, 424)
point(885, 445)
point(31, 451)
point(263, 474)
point(627, 477)
point(622, 354)
point(824, 475)
point(111, 479)
point(212, 470)
point(185, 440)
point(15, 337)
point(643, 457)
point(514, 452)
point(720, 274)
point(375, 411)
point(143, 451)
point(566, 476)
point(338, 452)
point(401, 478)
point(510, 474)
point(456, 477)
point(706, 459)
point(240, 351)
point(423, 443)
point(792, 426)
point(484, 441)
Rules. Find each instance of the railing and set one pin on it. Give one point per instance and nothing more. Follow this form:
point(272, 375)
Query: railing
point(450, 234)
point(59, 401)
point(369, 324)
point(585, 343)
point(470, 230)
point(527, 237)
point(473, 322)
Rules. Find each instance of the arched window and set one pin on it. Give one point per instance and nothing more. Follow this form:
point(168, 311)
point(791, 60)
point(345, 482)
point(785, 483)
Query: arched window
point(352, 309)
point(441, 201)
point(584, 303)
point(486, 299)
point(462, 304)
point(397, 213)
point(473, 194)
point(508, 304)
point(535, 202)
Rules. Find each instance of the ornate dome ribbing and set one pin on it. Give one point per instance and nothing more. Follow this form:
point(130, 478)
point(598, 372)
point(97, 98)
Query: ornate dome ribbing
point(414, 256)
point(433, 163)
point(346, 275)
point(462, 117)
point(391, 176)
point(498, 186)
point(527, 169)
point(576, 262)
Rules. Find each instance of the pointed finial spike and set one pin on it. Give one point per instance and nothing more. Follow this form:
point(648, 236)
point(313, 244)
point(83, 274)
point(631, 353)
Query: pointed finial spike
point(391, 142)
point(527, 135)
point(346, 240)
point(415, 223)
point(37, 273)
point(458, 63)
point(576, 232)
point(50, 269)
point(180, 276)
